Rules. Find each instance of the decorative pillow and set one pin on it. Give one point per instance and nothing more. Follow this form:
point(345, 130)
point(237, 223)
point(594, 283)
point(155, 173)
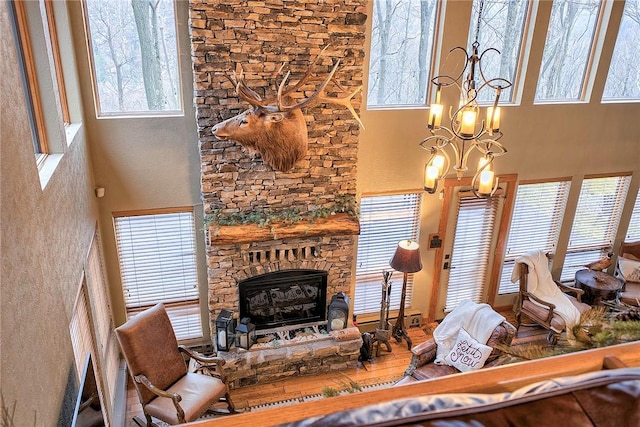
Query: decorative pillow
point(628, 269)
point(467, 354)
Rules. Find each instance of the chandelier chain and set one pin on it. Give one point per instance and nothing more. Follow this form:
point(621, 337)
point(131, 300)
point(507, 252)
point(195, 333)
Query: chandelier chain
point(479, 20)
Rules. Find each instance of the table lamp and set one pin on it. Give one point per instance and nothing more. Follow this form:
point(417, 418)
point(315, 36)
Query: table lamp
point(407, 260)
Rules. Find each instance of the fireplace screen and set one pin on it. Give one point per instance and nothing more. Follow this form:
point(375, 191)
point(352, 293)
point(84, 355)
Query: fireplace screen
point(286, 297)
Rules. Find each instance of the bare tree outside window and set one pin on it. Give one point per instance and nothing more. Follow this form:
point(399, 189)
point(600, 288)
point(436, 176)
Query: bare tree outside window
point(623, 80)
point(569, 44)
point(502, 29)
point(401, 51)
point(135, 55)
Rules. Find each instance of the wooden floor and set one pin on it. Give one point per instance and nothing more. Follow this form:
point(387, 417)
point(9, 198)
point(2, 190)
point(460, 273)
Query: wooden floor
point(386, 367)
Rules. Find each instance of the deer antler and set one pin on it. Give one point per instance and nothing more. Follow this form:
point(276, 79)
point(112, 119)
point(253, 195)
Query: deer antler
point(345, 101)
point(243, 91)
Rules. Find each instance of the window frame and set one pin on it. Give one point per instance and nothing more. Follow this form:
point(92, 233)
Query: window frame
point(99, 114)
point(625, 99)
point(526, 36)
point(596, 248)
point(633, 228)
point(30, 83)
point(436, 35)
point(57, 62)
point(179, 309)
point(509, 259)
point(372, 275)
point(591, 62)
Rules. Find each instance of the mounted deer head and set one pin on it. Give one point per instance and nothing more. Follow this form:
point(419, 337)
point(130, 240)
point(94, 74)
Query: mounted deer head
point(274, 129)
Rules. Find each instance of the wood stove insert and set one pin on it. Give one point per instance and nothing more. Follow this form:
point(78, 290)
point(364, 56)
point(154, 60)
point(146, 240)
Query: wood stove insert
point(283, 298)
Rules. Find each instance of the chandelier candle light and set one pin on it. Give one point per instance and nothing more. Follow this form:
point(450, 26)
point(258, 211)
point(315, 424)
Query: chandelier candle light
point(464, 134)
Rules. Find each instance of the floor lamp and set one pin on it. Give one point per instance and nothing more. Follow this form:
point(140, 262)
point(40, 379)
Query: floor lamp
point(407, 260)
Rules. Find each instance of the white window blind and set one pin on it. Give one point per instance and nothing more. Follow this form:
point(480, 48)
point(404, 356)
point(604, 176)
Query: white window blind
point(471, 248)
point(157, 255)
point(596, 222)
point(108, 357)
point(384, 221)
point(535, 224)
point(80, 331)
point(633, 232)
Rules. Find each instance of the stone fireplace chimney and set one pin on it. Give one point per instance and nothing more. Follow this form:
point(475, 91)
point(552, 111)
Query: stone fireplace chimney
point(261, 35)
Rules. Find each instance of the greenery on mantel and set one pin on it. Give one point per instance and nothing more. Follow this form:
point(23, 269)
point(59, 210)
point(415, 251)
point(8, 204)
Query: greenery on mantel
point(291, 215)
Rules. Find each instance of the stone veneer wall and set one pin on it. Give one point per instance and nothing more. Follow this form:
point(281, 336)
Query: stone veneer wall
point(261, 35)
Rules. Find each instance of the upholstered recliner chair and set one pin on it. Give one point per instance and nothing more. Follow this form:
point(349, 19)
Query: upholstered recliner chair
point(156, 364)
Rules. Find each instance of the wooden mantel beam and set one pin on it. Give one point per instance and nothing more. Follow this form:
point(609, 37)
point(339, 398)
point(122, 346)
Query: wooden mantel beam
point(334, 225)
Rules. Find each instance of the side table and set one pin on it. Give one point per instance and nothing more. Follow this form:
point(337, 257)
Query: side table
point(597, 286)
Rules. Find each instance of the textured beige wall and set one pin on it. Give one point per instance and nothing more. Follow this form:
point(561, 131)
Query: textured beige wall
point(45, 238)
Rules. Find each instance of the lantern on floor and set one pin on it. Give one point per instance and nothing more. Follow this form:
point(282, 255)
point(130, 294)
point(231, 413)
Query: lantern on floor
point(245, 334)
point(225, 327)
point(338, 312)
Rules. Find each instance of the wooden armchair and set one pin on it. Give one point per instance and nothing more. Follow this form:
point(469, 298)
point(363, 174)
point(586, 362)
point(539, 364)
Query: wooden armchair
point(543, 313)
point(630, 293)
point(156, 364)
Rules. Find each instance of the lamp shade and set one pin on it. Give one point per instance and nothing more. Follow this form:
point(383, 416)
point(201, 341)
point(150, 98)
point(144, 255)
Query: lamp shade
point(407, 257)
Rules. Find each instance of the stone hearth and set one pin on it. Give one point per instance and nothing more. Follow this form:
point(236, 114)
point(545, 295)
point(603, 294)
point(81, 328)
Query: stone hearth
point(311, 354)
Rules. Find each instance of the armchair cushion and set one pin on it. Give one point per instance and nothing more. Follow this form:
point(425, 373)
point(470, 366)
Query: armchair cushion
point(198, 393)
point(467, 354)
point(539, 314)
point(628, 269)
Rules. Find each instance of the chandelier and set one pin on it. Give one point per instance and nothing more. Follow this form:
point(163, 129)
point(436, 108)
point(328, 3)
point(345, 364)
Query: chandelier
point(465, 133)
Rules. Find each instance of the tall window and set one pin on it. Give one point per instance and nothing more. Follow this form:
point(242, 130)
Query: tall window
point(623, 80)
point(384, 221)
point(30, 81)
point(535, 224)
point(501, 28)
point(471, 249)
point(633, 232)
point(568, 50)
point(134, 56)
point(157, 255)
point(596, 222)
point(401, 52)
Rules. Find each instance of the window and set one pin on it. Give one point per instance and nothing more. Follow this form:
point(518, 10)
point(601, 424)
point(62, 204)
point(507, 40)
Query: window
point(633, 232)
point(535, 224)
point(471, 249)
point(596, 222)
point(623, 80)
point(30, 82)
point(134, 56)
point(157, 255)
point(57, 61)
point(401, 52)
point(384, 221)
point(502, 28)
point(568, 50)
point(108, 352)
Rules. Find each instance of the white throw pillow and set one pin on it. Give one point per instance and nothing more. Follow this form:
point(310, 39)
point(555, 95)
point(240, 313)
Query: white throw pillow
point(629, 270)
point(467, 354)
